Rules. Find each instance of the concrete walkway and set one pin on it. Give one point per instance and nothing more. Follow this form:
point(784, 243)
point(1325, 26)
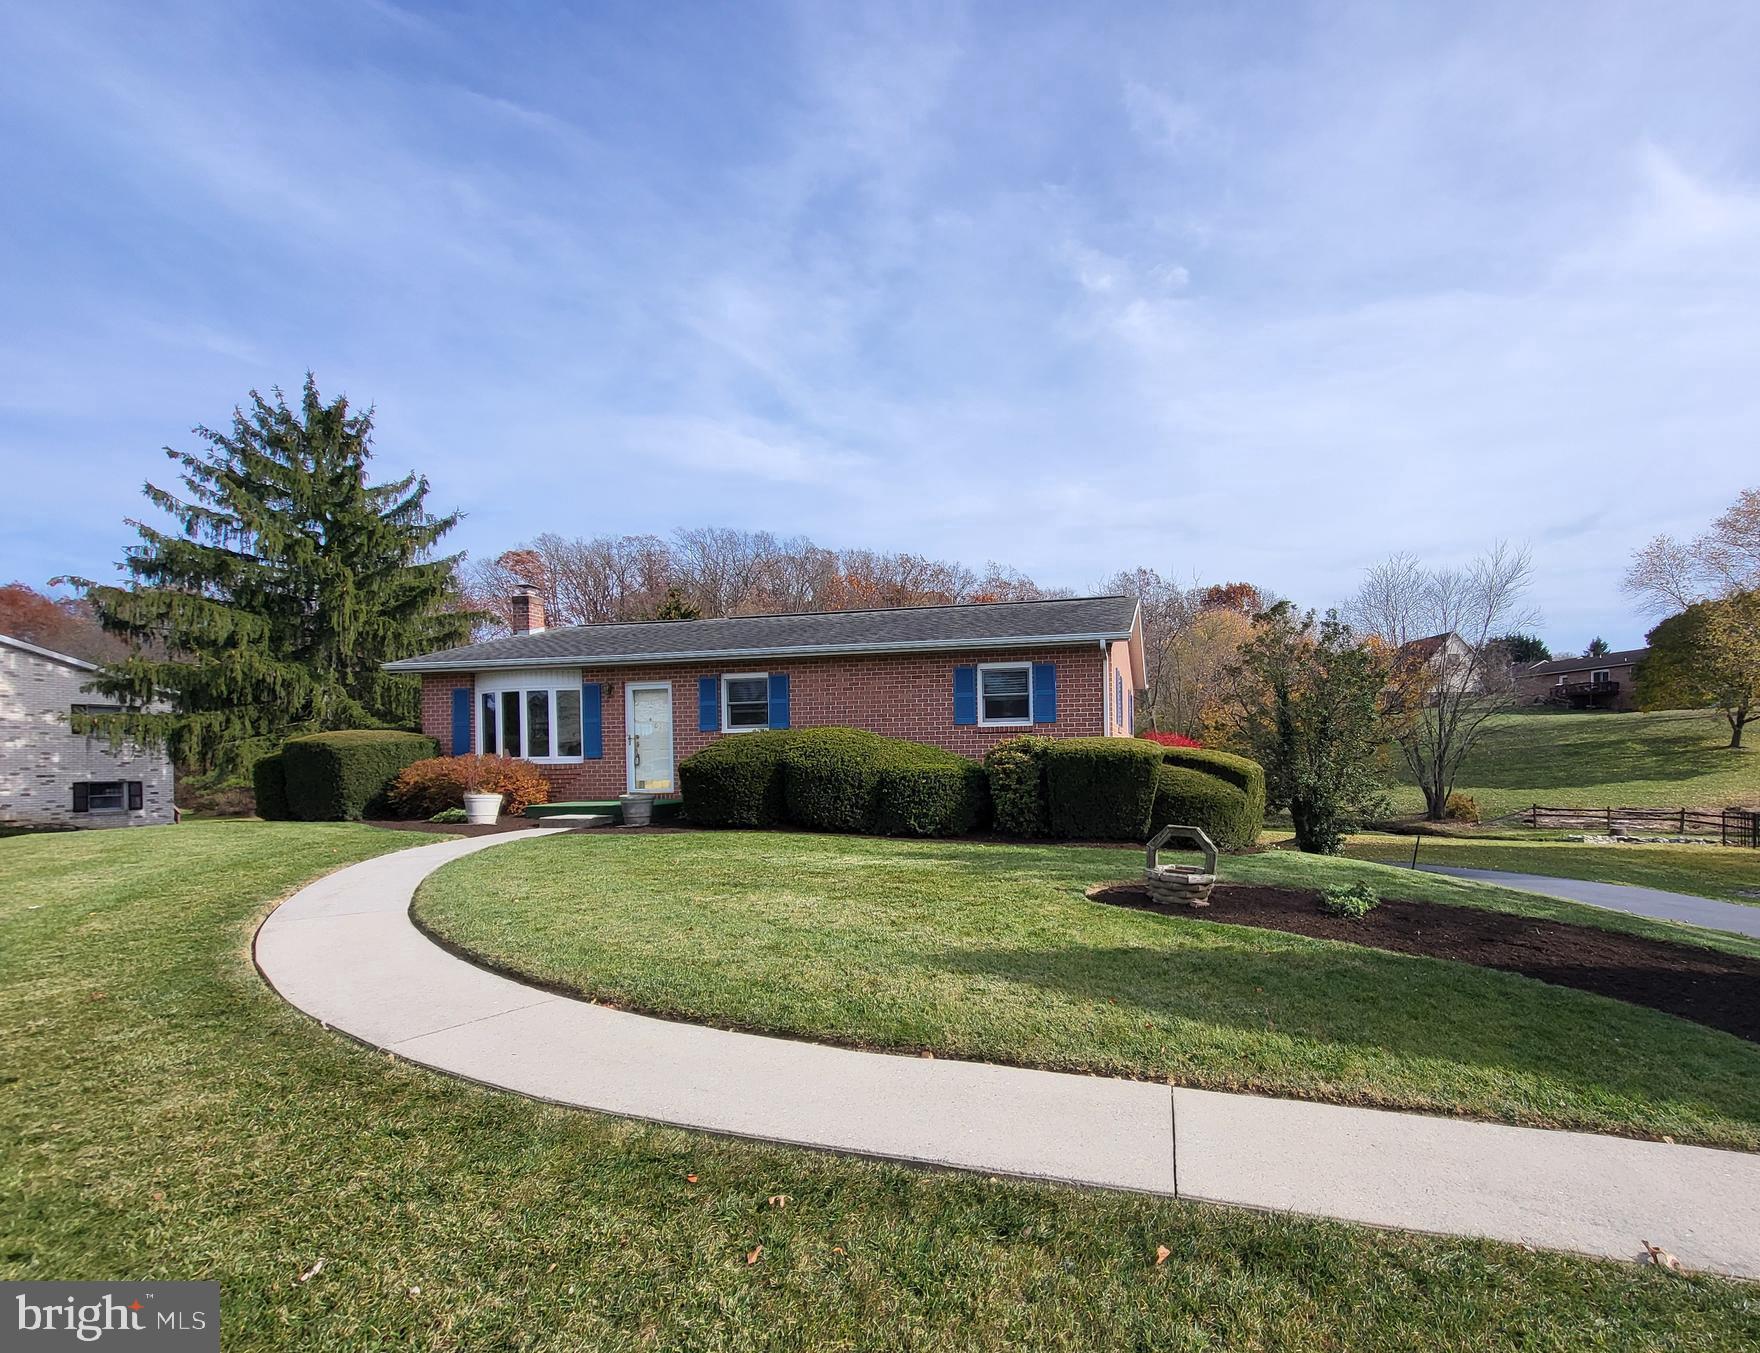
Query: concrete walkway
point(1627, 897)
point(345, 951)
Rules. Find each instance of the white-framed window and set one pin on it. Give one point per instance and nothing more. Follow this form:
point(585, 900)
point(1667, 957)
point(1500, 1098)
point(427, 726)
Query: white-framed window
point(536, 717)
point(745, 702)
point(1601, 675)
point(1005, 693)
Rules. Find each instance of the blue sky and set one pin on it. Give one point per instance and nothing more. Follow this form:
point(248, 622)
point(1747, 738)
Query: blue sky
point(1236, 291)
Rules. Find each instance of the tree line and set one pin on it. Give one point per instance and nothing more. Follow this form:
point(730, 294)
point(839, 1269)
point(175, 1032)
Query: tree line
point(709, 571)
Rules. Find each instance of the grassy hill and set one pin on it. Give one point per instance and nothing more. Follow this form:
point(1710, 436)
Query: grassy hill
point(1673, 759)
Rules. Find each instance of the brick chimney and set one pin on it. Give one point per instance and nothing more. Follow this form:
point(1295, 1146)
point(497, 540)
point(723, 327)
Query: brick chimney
point(527, 610)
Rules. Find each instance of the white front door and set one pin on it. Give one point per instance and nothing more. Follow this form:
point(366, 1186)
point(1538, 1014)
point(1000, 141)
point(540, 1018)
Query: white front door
point(647, 714)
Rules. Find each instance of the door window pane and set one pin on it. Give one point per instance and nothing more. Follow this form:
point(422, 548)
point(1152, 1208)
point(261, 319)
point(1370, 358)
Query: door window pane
point(651, 738)
point(568, 721)
point(487, 722)
point(1004, 693)
point(537, 723)
point(510, 723)
point(748, 702)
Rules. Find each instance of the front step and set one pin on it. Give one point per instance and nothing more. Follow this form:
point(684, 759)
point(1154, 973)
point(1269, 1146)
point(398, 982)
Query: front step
point(579, 819)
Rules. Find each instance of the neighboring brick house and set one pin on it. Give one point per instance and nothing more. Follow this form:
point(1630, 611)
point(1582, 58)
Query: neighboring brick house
point(605, 709)
point(1609, 681)
point(50, 774)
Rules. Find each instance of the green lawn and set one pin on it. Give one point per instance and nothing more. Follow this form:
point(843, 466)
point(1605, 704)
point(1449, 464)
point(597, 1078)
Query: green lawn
point(164, 1115)
point(993, 953)
point(1673, 759)
point(1725, 873)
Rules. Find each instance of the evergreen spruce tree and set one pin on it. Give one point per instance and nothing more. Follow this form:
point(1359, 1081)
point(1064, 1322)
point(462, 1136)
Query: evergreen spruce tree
point(289, 580)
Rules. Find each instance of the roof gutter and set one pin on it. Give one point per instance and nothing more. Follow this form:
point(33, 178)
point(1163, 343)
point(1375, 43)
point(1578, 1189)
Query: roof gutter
point(716, 654)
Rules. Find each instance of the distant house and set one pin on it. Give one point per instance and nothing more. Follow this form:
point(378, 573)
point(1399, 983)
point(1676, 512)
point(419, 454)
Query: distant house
point(1605, 682)
point(48, 773)
point(604, 709)
point(1450, 659)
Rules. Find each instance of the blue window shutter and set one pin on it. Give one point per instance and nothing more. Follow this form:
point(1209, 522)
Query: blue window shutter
point(1044, 692)
point(592, 721)
point(708, 704)
point(779, 699)
point(965, 695)
point(461, 720)
point(1118, 704)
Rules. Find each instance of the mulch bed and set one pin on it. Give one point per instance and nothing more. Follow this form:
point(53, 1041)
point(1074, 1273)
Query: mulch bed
point(1711, 988)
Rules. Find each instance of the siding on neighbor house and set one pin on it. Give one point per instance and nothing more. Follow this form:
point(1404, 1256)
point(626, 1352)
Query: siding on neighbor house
point(42, 758)
point(904, 695)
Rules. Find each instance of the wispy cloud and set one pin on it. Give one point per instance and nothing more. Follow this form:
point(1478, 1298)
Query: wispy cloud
point(1071, 291)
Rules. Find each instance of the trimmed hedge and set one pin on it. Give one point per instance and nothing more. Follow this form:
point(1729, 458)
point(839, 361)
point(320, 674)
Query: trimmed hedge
point(1101, 789)
point(342, 776)
point(269, 785)
point(1016, 772)
point(1194, 799)
point(834, 779)
point(736, 782)
point(936, 795)
point(1239, 773)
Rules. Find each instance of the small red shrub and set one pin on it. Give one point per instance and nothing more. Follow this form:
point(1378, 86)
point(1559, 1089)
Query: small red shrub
point(1171, 739)
point(441, 782)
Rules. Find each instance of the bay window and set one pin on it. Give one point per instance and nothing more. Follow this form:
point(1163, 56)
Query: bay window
point(540, 722)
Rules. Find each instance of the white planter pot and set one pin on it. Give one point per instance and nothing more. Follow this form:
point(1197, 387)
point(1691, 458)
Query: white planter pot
point(482, 809)
point(638, 809)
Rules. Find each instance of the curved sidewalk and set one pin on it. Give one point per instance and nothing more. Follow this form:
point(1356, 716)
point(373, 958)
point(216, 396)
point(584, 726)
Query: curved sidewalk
point(345, 951)
point(1627, 897)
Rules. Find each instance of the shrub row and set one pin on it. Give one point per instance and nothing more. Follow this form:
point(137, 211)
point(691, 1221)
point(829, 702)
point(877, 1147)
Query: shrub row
point(1123, 789)
point(343, 776)
point(432, 786)
point(834, 779)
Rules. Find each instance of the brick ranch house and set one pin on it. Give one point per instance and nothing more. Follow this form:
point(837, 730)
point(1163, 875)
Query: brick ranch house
point(50, 775)
point(1609, 681)
point(609, 709)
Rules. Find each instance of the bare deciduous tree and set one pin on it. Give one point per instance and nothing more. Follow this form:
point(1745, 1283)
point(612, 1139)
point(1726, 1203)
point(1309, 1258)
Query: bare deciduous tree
point(1668, 576)
point(1449, 671)
point(720, 571)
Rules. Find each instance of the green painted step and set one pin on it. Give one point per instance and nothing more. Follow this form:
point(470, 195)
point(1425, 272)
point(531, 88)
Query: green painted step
point(665, 810)
point(579, 806)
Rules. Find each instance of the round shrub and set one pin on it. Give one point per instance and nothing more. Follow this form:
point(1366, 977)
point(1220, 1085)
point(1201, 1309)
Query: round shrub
point(343, 776)
point(1101, 788)
point(269, 783)
point(1242, 772)
point(924, 791)
point(1461, 808)
point(736, 782)
point(1194, 799)
point(831, 778)
point(1016, 773)
point(441, 782)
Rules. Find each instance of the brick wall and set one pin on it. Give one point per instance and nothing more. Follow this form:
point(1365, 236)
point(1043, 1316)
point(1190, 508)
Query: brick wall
point(41, 758)
point(900, 695)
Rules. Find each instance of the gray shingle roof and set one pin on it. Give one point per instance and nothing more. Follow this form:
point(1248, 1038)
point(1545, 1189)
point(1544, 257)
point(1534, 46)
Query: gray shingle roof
point(1623, 658)
point(1067, 620)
